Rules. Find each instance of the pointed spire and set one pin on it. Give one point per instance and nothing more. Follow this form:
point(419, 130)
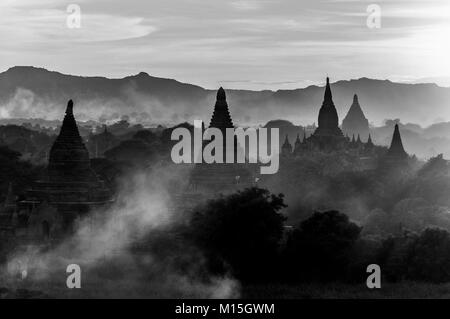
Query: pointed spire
point(69, 157)
point(69, 129)
point(286, 140)
point(353, 139)
point(328, 96)
point(369, 145)
point(298, 144)
point(396, 149)
point(286, 149)
point(69, 109)
point(221, 118)
point(328, 117)
point(304, 135)
point(355, 120)
point(358, 140)
point(221, 96)
point(369, 140)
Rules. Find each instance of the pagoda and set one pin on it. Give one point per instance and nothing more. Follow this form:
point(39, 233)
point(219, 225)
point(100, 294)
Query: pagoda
point(328, 136)
point(298, 145)
point(355, 121)
point(69, 189)
point(286, 148)
point(221, 177)
point(221, 117)
point(396, 150)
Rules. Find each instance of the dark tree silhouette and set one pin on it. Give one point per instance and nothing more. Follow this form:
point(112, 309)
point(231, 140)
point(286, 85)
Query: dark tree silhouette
point(320, 248)
point(241, 231)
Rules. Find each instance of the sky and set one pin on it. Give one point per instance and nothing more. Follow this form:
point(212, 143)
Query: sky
point(243, 44)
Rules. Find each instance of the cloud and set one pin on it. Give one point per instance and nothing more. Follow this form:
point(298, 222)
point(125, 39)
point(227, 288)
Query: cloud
point(45, 25)
point(246, 5)
point(103, 245)
point(202, 42)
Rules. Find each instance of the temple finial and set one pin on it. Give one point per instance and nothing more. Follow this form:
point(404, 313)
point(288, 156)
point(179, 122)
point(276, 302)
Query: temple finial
point(221, 96)
point(69, 109)
point(328, 97)
point(396, 149)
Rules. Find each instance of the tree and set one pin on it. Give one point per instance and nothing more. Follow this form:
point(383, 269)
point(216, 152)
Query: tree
point(241, 231)
point(320, 247)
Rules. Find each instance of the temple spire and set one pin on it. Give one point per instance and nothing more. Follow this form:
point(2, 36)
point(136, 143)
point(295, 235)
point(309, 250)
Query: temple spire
point(286, 148)
point(221, 96)
point(69, 158)
point(396, 149)
point(328, 117)
point(221, 118)
point(69, 109)
point(369, 140)
point(328, 96)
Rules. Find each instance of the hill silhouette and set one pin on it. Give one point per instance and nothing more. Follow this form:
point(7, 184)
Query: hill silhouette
point(36, 92)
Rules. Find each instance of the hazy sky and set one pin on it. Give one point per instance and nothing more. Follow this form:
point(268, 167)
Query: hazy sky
point(253, 44)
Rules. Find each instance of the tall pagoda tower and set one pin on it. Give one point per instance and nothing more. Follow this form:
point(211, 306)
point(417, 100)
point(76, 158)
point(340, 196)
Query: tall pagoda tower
point(221, 117)
point(355, 121)
point(70, 188)
point(328, 135)
point(328, 118)
point(221, 177)
point(396, 150)
point(286, 148)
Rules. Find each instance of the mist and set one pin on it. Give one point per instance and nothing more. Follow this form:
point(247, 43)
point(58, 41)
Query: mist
point(129, 249)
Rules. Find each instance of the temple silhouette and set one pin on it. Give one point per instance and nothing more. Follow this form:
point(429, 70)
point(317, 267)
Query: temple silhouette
point(328, 137)
point(69, 190)
point(355, 122)
point(223, 177)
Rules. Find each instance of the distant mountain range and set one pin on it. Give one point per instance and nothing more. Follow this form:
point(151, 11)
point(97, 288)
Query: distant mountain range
point(29, 92)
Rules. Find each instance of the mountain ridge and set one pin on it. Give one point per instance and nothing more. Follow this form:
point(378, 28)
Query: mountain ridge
point(38, 92)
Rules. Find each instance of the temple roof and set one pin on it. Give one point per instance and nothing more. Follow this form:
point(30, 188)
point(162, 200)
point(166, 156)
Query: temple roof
point(69, 130)
point(396, 149)
point(297, 140)
point(328, 118)
point(355, 120)
point(221, 118)
point(69, 158)
point(369, 141)
point(286, 147)
point(355, 110)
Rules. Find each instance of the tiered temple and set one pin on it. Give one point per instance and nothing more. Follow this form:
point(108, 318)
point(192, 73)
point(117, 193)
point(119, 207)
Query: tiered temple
point(70, 188)
point(328, 135)
point(355, 121)
point(221, 117)
point(221, 177)
point(396, 150)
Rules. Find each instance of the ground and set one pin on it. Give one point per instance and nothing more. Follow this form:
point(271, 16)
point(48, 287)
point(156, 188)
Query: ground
point(403, 290)
point(407, 290)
